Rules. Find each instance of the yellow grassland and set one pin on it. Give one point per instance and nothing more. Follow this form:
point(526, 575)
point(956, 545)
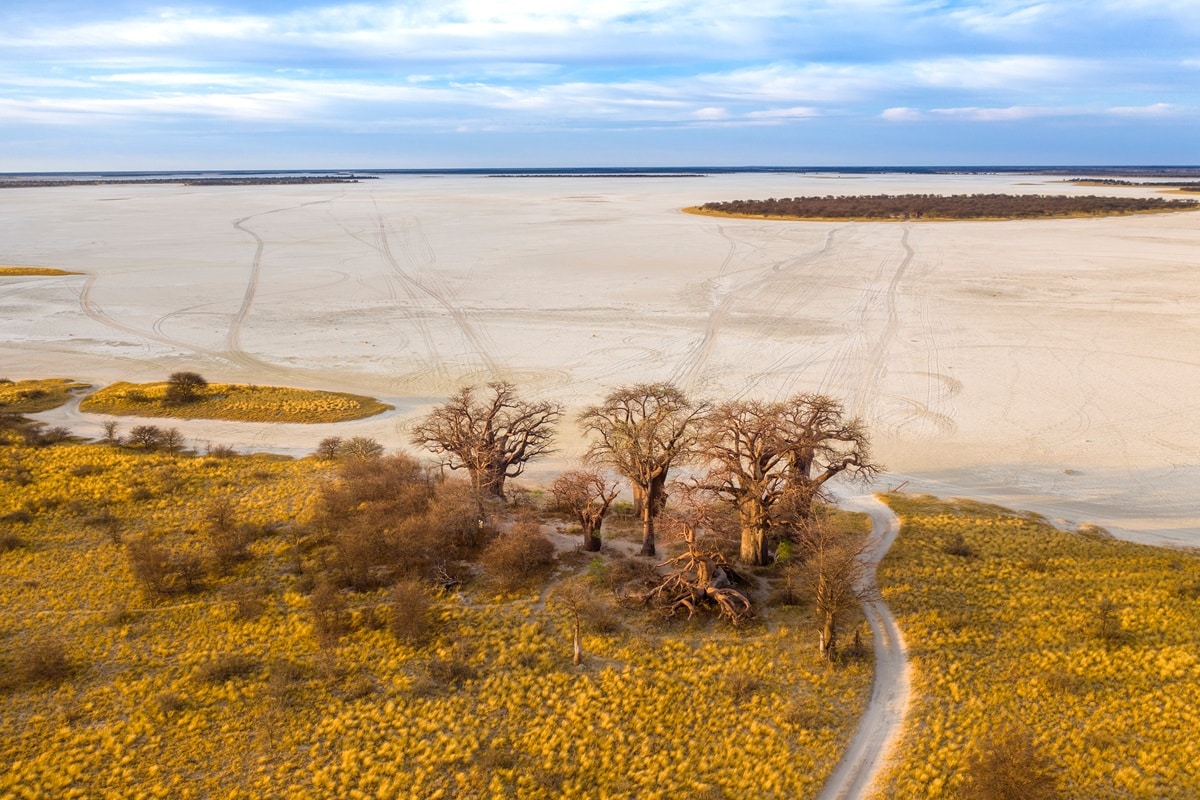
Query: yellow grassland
point(1012, 634)
point(239, 402)
point(647, 716)
point(31, 396)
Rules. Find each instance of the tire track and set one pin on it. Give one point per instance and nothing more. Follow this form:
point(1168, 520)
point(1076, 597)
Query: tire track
point(783, 281)
point(416, 289)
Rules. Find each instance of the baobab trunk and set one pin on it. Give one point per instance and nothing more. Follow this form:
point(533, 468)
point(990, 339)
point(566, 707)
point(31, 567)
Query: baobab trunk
point(754, 527)
point(591, 537)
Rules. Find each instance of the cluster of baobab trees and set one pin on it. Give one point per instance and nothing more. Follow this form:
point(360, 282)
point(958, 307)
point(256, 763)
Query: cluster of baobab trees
point(766, 460)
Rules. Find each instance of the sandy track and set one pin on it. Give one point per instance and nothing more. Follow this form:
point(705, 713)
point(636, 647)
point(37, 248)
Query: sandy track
point(857, 774)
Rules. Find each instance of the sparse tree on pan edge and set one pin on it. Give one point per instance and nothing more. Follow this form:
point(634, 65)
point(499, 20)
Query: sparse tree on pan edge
point(641, 431)
point(490, 434)
point(821, 443)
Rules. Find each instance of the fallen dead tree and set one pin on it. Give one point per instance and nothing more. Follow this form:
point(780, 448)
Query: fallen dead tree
point(699, 578)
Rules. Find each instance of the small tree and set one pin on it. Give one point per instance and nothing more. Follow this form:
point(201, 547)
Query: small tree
point(836, 577)
point(587, 496)
point(492, 434)
point(184, 387)
point(149, 437)
point(641, 431)
point(360, 447)
point(573, 597)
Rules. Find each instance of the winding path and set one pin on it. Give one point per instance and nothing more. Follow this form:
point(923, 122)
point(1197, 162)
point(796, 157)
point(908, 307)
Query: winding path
point(879, 729)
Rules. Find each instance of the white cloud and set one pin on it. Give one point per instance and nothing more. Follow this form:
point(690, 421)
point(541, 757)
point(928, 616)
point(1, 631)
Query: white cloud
point(901, 114)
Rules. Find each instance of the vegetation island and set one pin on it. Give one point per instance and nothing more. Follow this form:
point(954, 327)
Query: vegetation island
point(939, 207)
point(20, 272)
point(187, 395)
point(354, 623)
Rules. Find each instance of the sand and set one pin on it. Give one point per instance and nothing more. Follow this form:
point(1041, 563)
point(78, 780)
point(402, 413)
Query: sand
point(1047, 365)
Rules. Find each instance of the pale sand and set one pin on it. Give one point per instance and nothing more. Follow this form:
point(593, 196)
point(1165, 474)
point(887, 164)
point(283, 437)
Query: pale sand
point(1047, 365)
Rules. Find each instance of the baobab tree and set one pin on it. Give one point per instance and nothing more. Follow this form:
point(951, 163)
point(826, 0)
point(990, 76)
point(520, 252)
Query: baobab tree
point(821, 443)
point(641, 431)
point(750, 457)
point(587, 495)
point(490, 433)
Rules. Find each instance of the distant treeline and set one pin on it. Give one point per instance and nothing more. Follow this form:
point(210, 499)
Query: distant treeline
point(1188, 186)
point(932, 206)
point(26, 183)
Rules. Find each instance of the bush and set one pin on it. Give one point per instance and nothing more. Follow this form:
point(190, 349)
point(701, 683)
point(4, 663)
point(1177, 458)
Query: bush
point(411, 619)
point(515, 558)
point(1009, 766)
point(226, 667)
point(330, 616)
point(42, 659)
point(361, 447)
point(162, 571)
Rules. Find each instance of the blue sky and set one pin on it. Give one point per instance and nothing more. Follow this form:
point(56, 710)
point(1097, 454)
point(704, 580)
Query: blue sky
point(278, 84)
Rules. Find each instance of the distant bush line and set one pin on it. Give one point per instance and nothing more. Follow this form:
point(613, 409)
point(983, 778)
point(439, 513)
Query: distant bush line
point(942, 207)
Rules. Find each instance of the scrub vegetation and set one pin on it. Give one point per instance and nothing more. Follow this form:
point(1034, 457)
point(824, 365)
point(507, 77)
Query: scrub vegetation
point(941, 207)
point(184, 625)
point(1045, 663)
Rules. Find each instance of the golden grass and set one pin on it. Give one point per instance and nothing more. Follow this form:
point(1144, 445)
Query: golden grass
point(185, 698)
point(227, 401)
point(9, 272)
point(1012, 629)
point(29, 397)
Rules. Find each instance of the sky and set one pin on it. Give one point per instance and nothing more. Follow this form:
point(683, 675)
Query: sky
point(313, 84)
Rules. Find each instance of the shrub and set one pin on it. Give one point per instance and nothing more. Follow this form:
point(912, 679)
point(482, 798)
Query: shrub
point(410, 621)
point(451, 669)
point(361, 447)
point(1009, 766)
point(10, 540)
point(42, 659)
point(226, 667)
point(330, 616)
point(161, 571)
point(957, 546)
point(515, 558)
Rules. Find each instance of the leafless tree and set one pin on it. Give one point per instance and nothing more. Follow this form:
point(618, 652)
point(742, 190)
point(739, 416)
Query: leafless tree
point(492, 434)
point(641, 431)
point(587, 495)
point(834, 572)
point(750, 459)
point(821, 443)
point(700, 577)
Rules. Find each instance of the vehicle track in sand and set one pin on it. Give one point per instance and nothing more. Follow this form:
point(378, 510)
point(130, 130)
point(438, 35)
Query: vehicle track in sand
point(857, 775)
point(784, 279)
